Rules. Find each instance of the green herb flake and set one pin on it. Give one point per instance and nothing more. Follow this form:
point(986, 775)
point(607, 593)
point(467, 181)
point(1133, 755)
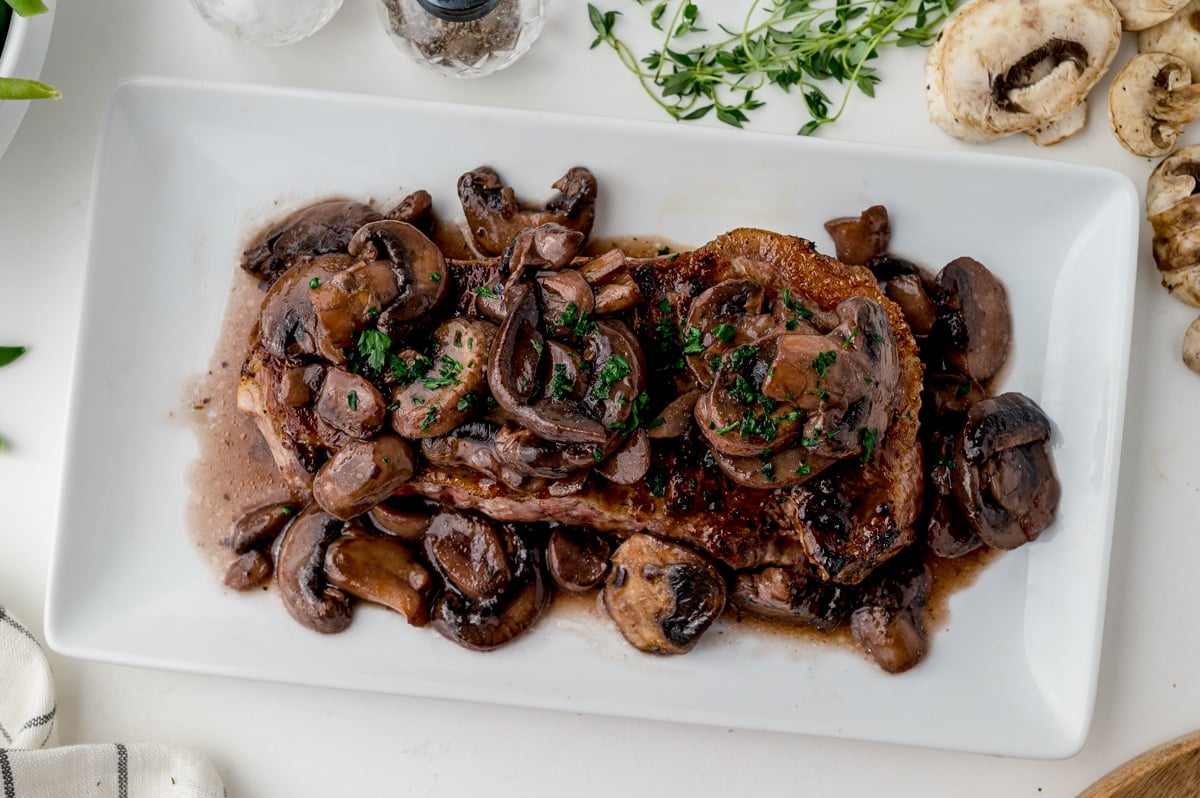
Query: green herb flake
point(794, 306)
point(372, 311)
point(597, 455)
point(483, 290)
point(803, 469)
point(724, 333)
point(352, 400)
point(467, 401)
point(538, 346)
point(692, 341)
point(314, 283)
point(286, 509)
point(561, 386)
point(870, 439)
point(430, 417)
point(656, 482)
point(615, 368)
point(435, 277)
point(823, 361)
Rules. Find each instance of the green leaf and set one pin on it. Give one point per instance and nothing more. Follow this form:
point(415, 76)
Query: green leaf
point(22, 89)
point(10, 353)
point(28, 8)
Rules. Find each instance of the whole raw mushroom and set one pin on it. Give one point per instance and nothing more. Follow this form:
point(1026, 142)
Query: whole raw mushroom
point(1178, 35)
point(1173, 210)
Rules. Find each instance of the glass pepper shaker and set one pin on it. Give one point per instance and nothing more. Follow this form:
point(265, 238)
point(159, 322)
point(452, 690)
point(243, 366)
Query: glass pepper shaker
point(463, 38)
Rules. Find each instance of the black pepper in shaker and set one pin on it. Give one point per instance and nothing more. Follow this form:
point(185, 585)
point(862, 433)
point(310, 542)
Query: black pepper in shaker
point(463, 38)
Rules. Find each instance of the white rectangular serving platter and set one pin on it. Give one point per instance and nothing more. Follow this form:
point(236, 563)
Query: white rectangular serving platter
point(186, 171)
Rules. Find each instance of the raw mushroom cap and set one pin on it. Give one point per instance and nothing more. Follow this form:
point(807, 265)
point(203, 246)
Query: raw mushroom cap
point(1178, 35)
point(1142, 14)
point(1008, 66)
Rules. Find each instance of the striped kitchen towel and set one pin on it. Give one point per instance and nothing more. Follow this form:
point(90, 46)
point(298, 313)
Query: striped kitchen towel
point(30, 767)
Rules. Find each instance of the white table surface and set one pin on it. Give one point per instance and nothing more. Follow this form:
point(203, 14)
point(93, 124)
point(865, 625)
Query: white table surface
point(278, 740)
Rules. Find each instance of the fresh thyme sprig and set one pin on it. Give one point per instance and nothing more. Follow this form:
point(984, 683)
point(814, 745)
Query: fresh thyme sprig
point(790, 44)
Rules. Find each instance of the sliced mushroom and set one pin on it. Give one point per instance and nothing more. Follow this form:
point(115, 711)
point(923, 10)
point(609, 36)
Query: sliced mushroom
point(793, 595)
point(676, 418)
point(404, 519)
point(906, 284)
point(520, 450)
point(494, 216)
point(300, 572)
point(473, 446)
point(663, 596)
point(627, 465)
point(618, 372)
point(420, 270)
point(577, 558)
point(514, 374)
point(1009, 66)
point(469, 553)
point(381, 570)
point(1173, 209)
point(547, 246)
point(350, 403)
point(258, 528)
point(318, 229)
point(1003, 475)
point(415, 209)
point(1191, 346)
point(894, 639)
point(603, 268)
point(251, 569)
point(974, 324)
point(566, 298)
point(349, 301)
point(1142, 14)
point(495, 586)
point(1178, 35)
point(454, 386)
point(717, 317)
point(288, 322)
point(1151, 100)
point(297, 385)
point(363, 474)
point(794, 465)
point(858, 240)
point(618, 296)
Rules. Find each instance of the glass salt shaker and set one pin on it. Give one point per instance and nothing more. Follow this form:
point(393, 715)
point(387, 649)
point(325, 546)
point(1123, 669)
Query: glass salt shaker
point(267, 22)
point(463, 38)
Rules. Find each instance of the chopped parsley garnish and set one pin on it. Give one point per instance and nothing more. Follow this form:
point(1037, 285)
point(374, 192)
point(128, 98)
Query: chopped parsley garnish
point(483, 290)
point(435, 277)
point(791, 324)
point(730, 427)
point(372, 311)
point(569, 316)
point(794, 306)
point(466, 401)
point(742, 356)
point(448, 372)
point(768, 471)
point(724, 332)
point(352, 400)
point(375, 347)
point(394, 406)
point(875, 338)
point(870, 439)
point(286, 509)
point(693, 343)
point(963, 389)
point(637, 410)
point(854, 331)
point(614, 369)
point(656, 481)
point(663, 250)
point(743, 391)
point(538, 346)
point(803, 469)
point(314, 282)
point(561, 386)
point(823, 361)
point(714, 362)
point(406, 372)
point(597, 455)
point(458, 337)
point(430, 417)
